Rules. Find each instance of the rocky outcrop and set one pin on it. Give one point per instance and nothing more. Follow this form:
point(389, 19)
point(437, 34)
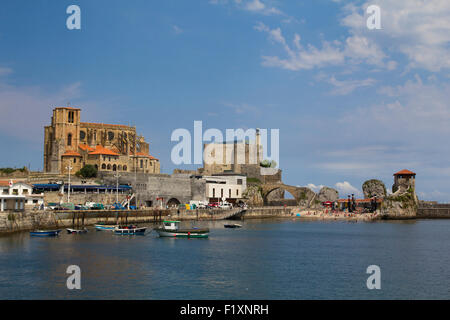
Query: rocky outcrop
point(400, 205)
point(374, 187)
point(306, 198)
point(327, 194)
point(253, 195)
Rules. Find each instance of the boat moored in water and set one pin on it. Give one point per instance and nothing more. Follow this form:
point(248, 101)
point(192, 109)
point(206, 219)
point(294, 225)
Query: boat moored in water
point(76, 231)
point(129, 230)
point(171, 229)
point(104, 226)
point(45, 233)
point(234, 225)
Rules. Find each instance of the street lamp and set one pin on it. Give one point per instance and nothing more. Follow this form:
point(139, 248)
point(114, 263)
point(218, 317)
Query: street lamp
point(117, 187)
point(69, 167)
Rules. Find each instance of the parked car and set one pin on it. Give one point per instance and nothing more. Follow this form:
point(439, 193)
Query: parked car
point(226, 205)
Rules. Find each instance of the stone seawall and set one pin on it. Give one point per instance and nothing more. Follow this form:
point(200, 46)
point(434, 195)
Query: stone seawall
point(267, 212)
point(434, 212)
point(31, 220)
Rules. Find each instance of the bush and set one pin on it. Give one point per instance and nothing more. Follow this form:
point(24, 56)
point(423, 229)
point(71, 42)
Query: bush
point(268, 164)
point(88, 171)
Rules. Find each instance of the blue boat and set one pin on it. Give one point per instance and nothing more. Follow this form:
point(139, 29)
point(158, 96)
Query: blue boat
point(45, 233)
point(103, 226)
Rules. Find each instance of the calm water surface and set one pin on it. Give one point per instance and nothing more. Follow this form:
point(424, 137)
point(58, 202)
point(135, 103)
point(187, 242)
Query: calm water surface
point(266, 259)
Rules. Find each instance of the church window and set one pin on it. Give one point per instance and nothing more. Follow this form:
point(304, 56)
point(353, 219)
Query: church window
point(103, 166)
point(70, 117)
point(82, 135)
point(69, 139)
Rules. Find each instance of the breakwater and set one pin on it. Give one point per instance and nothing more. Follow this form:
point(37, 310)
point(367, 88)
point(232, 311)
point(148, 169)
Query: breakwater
point(31, 220)
point(434, 211)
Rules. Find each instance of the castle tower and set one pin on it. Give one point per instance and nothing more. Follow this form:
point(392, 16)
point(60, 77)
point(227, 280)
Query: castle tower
point(403, 180)
point(63, 135)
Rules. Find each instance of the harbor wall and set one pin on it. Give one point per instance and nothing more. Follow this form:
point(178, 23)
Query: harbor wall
point(434, 211)
point(31, 220)
point(82, 198)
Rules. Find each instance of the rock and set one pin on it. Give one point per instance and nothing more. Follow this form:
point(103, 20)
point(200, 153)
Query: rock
point(373, 188)
point(327, 194)
point(306, 197)
point(400, 206)
point(253, 195)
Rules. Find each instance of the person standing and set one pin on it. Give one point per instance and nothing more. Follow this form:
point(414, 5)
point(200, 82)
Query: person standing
point(353, 203)
point(349, 204)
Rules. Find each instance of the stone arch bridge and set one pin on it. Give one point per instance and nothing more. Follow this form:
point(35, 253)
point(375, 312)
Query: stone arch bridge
point(303, 196)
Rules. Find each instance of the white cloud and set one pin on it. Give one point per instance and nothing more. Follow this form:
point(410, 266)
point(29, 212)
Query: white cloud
point(5, 71)
point(254, 6)
point(345, 188)
point(344, 87)
point(241, 108)
point(27, 109)
point(357, 49)
point(314, 188)
point(177, 29)
point(418, 29)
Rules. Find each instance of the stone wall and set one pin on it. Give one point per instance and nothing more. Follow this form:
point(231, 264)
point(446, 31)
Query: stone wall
point(82, 198)
point(149, 187)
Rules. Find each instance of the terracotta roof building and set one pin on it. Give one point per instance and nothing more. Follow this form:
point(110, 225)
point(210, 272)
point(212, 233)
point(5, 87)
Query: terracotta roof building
point(109, 147)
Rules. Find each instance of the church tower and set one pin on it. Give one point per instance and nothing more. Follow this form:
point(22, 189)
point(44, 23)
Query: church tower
point(61, 136)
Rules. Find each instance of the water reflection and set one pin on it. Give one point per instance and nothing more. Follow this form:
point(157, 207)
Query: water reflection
point(266, 259)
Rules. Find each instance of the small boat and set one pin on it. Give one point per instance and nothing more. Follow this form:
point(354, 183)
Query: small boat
point(234, 225)
point(171, 229)
point(45, 233)
point(104, 226)
point(129, 230)
point(72, 231)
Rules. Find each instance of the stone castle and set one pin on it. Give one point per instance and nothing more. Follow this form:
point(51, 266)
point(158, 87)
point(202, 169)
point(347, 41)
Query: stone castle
point(108, 147)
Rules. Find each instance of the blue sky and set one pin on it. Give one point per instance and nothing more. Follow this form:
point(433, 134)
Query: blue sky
point(351, 103)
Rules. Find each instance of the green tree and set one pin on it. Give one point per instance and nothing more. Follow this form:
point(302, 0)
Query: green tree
point(268, 164)
point(88, 171)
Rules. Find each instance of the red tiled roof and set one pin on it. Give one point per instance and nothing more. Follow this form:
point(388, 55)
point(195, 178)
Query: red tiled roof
point(405, 172)
point(99, 149)
point(5, 183)
point(70, 108)
point(141, 154)
point(85, 147)
point(105, 124)
point(71, 153)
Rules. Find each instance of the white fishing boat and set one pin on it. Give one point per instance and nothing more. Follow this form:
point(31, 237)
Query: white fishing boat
point(129, 230)
point(171, 229)
point(75, 231)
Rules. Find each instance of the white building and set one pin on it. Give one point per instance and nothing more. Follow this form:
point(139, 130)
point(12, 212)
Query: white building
point(225, 187)
point(16, 195)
